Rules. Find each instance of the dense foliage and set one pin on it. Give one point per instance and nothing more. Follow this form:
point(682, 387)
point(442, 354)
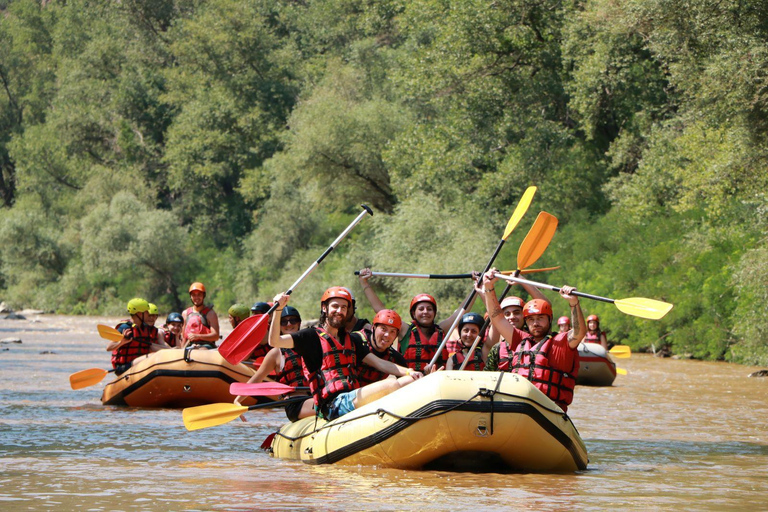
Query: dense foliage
point(146, 144)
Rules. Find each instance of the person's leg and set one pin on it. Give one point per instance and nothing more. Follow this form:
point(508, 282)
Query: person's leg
point(379, 389)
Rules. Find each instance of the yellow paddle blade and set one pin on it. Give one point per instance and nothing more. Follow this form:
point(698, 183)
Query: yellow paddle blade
point(204, 416)
point(520, 210)
point(109, 333)
point(537, 240)
point(643, 308)
point(85, 378)
point(621, 371)
point(621, 351)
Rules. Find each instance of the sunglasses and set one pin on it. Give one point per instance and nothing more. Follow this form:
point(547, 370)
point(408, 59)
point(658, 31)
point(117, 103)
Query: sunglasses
point(289, 320)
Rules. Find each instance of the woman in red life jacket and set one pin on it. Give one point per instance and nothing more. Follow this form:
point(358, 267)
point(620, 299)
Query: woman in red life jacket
point(420, 340)
point(594, 334)
point(201, 325)
point(469, 330)
point(563, 324)
point(330, 358)
point(379, 340)
point(284, 365)
point(550, 362)
point(139, 340)
point(172, 329)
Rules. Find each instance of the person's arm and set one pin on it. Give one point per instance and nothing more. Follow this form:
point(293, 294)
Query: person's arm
point(159, 343)
point(486, 290)
point(389, 367)
point(370, 293)
point(275, 339)
point(213, 325)
point(111, 347)
point(579, 330)
point(603, 340)
point(491, 340)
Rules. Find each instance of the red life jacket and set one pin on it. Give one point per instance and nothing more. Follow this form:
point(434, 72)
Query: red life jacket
point(369, 374)
point(592, 337)
point(292, 373)
point(505, 357)
point(170, 338)
point(532, 362)
point(196, 322)
point(259, 353)
point(417, 353)
point(338, 369)
point(140, 344)
point(475, 362)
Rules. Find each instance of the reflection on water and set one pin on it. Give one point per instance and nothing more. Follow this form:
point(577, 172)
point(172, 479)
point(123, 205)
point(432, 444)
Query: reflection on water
point(671, 434)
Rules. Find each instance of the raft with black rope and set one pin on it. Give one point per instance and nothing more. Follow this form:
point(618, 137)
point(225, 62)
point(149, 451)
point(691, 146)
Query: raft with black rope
point(480, 421)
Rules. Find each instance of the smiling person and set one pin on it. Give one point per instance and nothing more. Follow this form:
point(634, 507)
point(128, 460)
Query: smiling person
point(469, 329)
point(550, 362)
point(330, 358)
point(172, 329)
point(139, 340)
point(386, 329)
point(421, 339)
point(594, 334)
point(201, 325)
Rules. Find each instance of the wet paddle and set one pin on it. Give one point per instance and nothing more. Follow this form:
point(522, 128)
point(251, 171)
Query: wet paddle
point(262, 388)
point(244, 338)
point(89, 377)
point(535, 243)
point(204, 416)
point(453, 276)
point(621, 351)
point(514, 220)
point(109, 333)
point(635, 306)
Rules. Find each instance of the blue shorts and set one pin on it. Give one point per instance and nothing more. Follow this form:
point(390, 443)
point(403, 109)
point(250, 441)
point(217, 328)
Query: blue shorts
point(341, 405)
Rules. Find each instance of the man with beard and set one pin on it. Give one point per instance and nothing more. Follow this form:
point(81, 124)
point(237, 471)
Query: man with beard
point(330, 358)
point(550, 362)
point(201, 325)
point(421, 339)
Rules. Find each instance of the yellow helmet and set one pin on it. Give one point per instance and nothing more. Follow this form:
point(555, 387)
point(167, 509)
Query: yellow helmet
point(137, 305)
point(152, 309)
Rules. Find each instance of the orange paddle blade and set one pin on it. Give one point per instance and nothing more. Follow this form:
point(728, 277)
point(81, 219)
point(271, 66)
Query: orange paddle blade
point(85, 378)
point(109, 333)
point(537, 240)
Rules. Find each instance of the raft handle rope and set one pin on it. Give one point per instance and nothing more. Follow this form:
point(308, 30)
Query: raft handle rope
point(482, 392)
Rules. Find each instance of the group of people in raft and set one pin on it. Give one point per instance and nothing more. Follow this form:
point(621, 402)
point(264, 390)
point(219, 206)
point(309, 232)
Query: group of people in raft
point(347, 362)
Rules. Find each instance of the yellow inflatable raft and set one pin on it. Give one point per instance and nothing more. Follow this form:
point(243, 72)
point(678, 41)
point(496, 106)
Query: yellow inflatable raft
point(167, 379)
point(596, 368)
point(484, 421)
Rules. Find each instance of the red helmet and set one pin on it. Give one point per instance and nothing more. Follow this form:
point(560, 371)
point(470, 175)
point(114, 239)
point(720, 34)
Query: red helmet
point(511, 301)
point(423, 297)
point(336, 292)
point(388, 317)
point(563, 320)
point(537, 307)
point(196, 286)
point(593, 317)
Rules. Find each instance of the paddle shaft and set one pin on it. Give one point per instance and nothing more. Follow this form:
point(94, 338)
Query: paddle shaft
point(279, 403)
point(553, 288)
point(447, 276)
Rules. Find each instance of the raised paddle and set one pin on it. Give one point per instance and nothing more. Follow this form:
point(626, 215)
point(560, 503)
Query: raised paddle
point(514, 220)
point(621, 351)
point(89, 377)
point(453, 276)
point(635, 306)
point(263, 388)
point(109, 333)
point(204, 416)
point(244, 338)
point(533, 246)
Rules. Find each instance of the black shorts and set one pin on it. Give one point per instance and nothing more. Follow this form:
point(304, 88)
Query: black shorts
point(293, 409)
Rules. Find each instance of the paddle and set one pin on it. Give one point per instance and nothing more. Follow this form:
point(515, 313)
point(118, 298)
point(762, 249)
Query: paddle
point(89, 377)
point(533, 246)
point(453, 276)
point(621, 371)
point(263, 388)
point(244, 338)
point(204, 416)
point(109, 333)
point(635, 306)
point(621, 351)
point(514, 220)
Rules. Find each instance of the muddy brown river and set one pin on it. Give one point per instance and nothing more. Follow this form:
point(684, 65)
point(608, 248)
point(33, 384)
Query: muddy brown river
point(671, 434)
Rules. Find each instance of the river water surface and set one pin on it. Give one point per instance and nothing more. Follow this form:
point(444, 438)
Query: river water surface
point(669, 435)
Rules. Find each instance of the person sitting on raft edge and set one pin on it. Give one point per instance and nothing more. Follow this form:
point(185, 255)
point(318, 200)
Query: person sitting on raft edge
point(330, 355)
